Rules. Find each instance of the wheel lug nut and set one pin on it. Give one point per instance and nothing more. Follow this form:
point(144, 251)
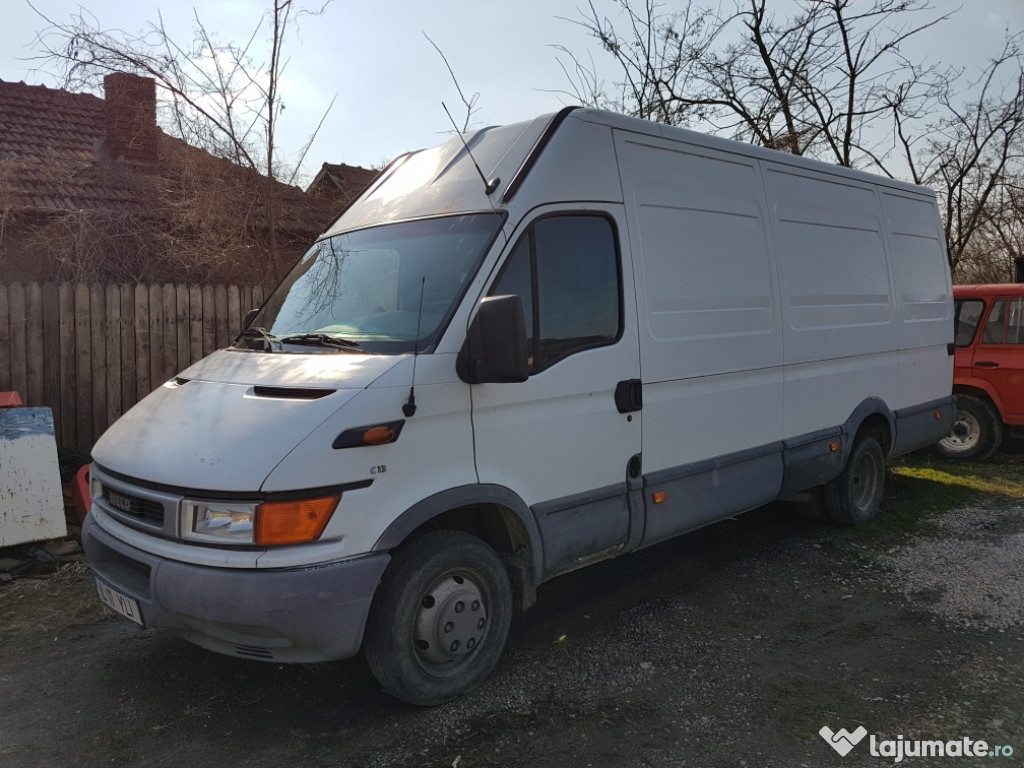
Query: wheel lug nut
point(471, 643)
point(480, 624)
point(455, 646)
point(449, 627)
point(476, 605)
point(460, 607)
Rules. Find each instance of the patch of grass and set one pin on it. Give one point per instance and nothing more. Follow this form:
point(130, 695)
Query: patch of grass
point(920, 486)
point(973, 479)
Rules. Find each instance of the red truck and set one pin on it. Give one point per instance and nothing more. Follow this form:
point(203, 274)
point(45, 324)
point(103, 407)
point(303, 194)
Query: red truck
point(988, 375)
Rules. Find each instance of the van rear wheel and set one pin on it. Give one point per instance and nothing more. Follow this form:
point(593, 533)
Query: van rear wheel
point(854, 497)
point(977, 432)
point(441, 618)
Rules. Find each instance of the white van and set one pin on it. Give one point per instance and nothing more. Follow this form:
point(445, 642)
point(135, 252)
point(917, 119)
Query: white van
point(557, 342)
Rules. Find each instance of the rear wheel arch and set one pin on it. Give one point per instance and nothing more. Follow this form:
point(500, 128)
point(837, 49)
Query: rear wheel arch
point(853, 497)
point(879, 427)
point(872, 418)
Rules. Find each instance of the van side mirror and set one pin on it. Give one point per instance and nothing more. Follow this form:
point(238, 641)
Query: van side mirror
point(495, 348)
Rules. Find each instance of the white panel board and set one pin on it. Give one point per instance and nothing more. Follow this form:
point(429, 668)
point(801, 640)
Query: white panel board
point(31, 503)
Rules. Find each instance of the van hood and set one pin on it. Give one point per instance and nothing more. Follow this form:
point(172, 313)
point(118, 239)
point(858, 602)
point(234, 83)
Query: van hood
point(224, 423)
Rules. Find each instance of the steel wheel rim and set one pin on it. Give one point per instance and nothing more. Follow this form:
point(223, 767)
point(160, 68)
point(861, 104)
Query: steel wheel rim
point(965, 434)
point(451, 622)
point(866, 482)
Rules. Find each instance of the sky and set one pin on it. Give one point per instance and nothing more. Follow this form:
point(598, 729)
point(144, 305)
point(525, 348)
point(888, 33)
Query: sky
point(389, 81)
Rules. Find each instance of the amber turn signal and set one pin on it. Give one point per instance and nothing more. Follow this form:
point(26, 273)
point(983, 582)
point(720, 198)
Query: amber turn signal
point(293, 522)
point(379, 435)
point(373, 434)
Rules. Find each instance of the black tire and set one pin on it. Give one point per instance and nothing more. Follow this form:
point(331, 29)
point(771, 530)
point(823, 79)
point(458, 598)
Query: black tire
point(444, 586)
point(854, 497)
point(977, 432)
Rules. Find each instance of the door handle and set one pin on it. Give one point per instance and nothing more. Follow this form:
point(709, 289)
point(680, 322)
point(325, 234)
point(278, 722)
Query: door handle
point(629, 395)
point(986, 364)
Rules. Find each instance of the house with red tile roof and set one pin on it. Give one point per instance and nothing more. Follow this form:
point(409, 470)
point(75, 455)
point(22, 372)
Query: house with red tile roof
point(91, 189)
point(341, 182)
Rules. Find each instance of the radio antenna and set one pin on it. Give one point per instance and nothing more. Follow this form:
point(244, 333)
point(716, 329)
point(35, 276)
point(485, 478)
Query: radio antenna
point(489, 186)
point(409, 409)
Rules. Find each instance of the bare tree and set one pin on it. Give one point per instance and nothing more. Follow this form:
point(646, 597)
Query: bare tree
point(973, 155)
point(470, 102)
point(214, 94)
point(659, 57)
point(815, 83)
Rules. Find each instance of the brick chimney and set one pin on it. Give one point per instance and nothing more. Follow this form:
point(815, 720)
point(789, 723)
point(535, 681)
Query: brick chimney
point(131, 132)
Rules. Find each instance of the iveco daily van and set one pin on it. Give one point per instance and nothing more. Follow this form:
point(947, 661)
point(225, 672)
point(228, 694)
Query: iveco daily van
point(548, 344)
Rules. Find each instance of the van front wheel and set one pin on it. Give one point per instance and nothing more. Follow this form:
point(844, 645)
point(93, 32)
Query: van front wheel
point(441, 618)
point(855, 496)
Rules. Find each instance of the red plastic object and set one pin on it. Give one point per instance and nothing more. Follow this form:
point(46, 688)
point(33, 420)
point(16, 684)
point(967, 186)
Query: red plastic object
point(9, 400)
point(80, 494)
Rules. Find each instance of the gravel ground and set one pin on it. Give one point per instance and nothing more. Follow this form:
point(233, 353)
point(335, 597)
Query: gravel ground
point(731, 646)
point(974, 573)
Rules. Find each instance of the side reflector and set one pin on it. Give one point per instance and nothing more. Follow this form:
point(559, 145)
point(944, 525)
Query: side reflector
point(659, 497)
point(293, 522)
point(833, 447)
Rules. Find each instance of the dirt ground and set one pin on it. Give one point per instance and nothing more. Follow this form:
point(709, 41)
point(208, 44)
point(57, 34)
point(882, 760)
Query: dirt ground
point(732, 646)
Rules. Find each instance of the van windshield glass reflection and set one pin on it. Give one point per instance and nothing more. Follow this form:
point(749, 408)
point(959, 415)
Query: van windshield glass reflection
point(363, 291)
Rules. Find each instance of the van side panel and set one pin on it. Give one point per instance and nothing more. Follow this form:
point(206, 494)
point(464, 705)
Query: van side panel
point(710, 333)
point(839, 324)
point(770, 321)
point(710, 341)
point(922, 298)
point(707, 491)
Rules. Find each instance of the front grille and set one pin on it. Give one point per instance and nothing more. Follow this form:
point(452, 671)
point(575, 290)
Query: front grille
point(146, 510)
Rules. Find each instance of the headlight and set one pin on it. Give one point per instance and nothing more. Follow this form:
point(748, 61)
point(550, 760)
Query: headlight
point(264, 524)
point(219, 522)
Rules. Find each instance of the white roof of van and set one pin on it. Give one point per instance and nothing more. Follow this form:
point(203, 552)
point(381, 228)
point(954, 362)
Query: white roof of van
point(445, 179)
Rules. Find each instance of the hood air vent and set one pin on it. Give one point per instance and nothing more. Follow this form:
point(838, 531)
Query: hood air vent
point(292, 393)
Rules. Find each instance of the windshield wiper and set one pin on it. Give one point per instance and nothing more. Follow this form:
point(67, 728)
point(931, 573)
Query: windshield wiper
point(255, 332)
point(320, 340)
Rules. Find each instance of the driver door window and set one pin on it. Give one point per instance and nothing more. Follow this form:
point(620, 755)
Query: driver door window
point(566, 270)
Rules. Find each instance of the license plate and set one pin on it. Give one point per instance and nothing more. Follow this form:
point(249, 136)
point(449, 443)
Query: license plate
point(119, 603)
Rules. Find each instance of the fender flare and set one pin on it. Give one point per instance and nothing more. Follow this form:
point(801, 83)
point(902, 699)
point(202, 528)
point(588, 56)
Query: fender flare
point(870, 406)
point(465, 496)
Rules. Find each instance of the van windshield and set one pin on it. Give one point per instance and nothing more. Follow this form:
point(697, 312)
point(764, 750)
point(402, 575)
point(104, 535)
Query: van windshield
point(363, 291)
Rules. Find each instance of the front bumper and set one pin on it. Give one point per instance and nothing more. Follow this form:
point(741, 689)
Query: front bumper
point(291, 615)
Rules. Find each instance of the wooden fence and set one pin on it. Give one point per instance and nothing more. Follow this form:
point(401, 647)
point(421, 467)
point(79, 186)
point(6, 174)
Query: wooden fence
point(90, 352)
